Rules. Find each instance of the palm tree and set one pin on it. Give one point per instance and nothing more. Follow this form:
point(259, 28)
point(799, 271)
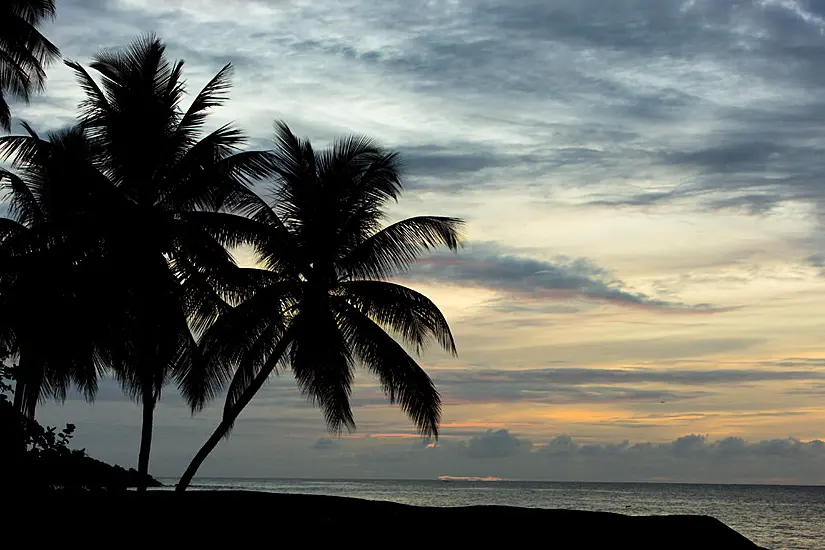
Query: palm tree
point(23, 51)
point(174, 180)
point(159, 185)
point(323, 302)
point(44, 296)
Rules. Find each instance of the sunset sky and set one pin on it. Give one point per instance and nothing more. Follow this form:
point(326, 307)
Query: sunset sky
point(641, 294)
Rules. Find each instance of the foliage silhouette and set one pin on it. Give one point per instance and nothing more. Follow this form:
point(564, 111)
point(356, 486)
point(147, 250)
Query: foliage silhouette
point(323, 302)
point(116, 250)
point(41, 459)
point(23, 51)
point(47, 318)
point(139, 228)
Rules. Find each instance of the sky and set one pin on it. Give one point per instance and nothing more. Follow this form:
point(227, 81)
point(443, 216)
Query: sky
point(640, 294)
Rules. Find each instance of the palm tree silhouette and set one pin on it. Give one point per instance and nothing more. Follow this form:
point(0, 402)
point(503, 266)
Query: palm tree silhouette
point(23, 51)
point(152, 265)
point(323, 302)
point(45, 299)
point(174, 180)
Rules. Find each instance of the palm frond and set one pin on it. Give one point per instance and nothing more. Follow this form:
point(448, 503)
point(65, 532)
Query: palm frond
point(220, 179)
point(22, 204)
point(346, 160)
point(23, 151)
point(394, 248)
point(231, 231)
point(226, 343)
point(294, 164)
point(212, 95)
point(409, 314)
point(95, 108)
point(10, 228)
point(248, 167)
point(324, 373)
point(378, 182)
point(246, 202)
point(402, 379)
point(32, 11)
point(201, 302)
point(373, 173)
point(23, 49)
point(14, 74)
point(25, 44)
point(197, 179)
point(228, 229)
point(5, 112)
point(140, 68)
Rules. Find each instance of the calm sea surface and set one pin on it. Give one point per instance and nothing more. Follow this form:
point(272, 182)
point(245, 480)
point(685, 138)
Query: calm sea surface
point(775, 517)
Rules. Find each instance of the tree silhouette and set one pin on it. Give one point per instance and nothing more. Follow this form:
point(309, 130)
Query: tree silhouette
point(47, 318)
point(174, 180)
point(323, 302)
point(150, 264)
point(23, 51)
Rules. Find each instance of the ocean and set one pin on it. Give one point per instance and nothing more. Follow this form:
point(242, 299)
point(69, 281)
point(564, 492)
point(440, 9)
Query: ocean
point(773, 516)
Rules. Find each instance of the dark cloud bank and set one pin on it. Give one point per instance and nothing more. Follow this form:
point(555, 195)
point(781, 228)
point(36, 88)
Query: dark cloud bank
point(688, 458)
point(572, 385)
point(572, 279)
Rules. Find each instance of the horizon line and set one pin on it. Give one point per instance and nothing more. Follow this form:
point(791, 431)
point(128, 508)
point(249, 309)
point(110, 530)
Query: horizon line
point(484, 479)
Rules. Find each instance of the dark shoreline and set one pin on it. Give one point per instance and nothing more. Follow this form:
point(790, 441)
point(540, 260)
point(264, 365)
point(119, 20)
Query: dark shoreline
point(210, 517)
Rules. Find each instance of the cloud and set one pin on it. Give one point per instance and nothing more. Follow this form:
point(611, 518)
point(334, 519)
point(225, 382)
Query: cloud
point(817, 261)
point(561, 445)
point(511, 113)
point(486, 265)
point(496, 444)
point(580, 376)
point(570, 385)
point(762, 148)
point(688, 458)
point(685, 448)
point(573, 92)
point(452, 160)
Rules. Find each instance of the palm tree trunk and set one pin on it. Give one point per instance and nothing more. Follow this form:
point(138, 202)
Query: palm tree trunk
point(26, 384)
point(26, 407)
point(18, 396)
point(208, 447)
point(146, 438)
point(230, 415)
point(223, 428)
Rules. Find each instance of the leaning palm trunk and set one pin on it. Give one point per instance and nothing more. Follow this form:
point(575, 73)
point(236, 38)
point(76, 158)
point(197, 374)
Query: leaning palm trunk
point(146, 438)
point(220, 432)
point(231, 414)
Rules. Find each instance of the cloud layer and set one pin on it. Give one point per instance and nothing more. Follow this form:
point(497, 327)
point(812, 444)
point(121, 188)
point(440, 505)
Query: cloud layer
point(641, 180)
point(557, 280)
